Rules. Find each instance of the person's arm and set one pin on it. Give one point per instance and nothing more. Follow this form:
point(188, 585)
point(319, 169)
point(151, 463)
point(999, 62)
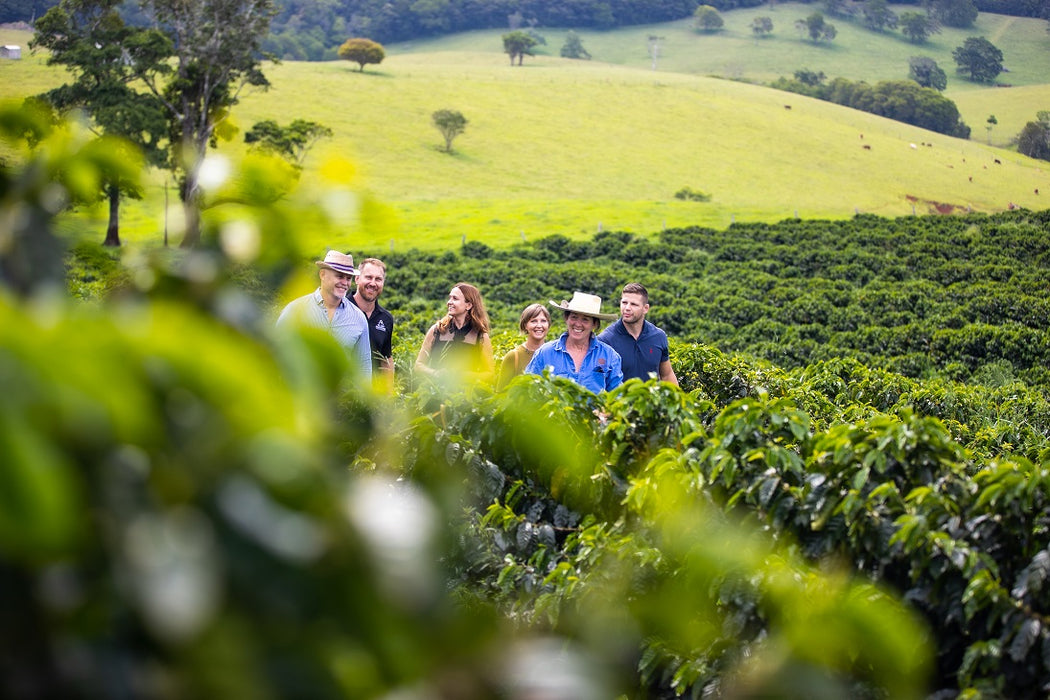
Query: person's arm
point(614, 375)
point(423, 358)
point(667, 374)
point(488, 364)
point(507, 367)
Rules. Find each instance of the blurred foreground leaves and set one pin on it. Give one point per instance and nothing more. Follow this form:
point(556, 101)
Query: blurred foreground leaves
point(191, 506)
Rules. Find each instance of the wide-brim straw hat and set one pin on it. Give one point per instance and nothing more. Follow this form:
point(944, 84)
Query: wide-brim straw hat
point(339, 262)
point(585, 304)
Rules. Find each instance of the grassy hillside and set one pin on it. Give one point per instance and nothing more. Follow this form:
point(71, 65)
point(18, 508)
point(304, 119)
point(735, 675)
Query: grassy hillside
point(558, 146)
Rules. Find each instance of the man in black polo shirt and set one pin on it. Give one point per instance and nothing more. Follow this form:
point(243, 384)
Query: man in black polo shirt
point(370, 279)
point(641, 345)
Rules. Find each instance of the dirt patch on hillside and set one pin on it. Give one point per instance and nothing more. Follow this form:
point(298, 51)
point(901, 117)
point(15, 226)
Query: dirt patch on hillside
point(934, 207)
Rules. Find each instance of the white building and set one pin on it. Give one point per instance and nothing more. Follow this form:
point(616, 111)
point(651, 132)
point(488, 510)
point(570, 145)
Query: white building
point(10, 51)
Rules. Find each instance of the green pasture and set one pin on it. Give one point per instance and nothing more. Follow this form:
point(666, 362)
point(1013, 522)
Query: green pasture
point(735, 53)
point(573, 147)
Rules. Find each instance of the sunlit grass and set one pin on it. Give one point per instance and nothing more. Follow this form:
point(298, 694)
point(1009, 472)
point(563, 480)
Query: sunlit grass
point(572, 147)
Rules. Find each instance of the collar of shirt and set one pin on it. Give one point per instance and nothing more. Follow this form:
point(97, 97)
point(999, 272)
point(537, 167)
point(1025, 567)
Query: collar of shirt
point(319, 300)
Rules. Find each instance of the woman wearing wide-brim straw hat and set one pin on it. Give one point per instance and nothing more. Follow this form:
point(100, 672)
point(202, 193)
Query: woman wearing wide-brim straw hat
point(578, 354)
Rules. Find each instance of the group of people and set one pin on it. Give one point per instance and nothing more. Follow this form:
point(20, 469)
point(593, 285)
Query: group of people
point(460, 343)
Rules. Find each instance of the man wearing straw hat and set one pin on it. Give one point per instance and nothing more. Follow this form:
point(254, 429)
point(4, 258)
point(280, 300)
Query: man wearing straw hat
point(327, 307)
point(578, 354)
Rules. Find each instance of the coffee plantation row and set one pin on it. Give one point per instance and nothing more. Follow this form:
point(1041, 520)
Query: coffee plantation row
point(961, 297)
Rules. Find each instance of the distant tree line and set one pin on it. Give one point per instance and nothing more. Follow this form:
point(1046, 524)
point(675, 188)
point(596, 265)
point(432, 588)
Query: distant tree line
point(903, 100)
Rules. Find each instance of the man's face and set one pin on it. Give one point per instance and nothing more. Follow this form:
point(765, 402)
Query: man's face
point(335, 284)
point(370, 282)
point(633, 308)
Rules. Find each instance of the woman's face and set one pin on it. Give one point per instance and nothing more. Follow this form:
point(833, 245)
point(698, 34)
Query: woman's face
point(537, 327)
point(457, 304)
point(580, 326)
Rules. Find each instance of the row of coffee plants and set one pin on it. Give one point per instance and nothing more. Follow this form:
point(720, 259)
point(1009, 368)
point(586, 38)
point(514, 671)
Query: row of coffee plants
point(961, 297)
point(576, 493)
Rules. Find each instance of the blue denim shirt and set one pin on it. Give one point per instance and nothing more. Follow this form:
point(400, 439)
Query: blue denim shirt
point(600, 370)
point(349, 325)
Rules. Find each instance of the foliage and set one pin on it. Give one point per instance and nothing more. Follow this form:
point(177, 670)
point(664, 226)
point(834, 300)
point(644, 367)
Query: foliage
point(953, 13)
point(902, 100)
point(707, 19)
point(878, 16)
point(980, 58)
point(573, 47)
point(67, 166)
point(917, 26)
point(762, 26)
point(692, 195)
point(362, 52)
point(925, 71)
point(104, 55)
point(215, 47)
point(816, 27)
point(166, 522)
point(292, 142)
point(518, 44)
point(1034, 140)
point(450, 123)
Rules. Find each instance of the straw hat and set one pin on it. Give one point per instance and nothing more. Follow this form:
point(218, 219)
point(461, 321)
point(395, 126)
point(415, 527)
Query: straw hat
point(339, 262)
point(584, 304)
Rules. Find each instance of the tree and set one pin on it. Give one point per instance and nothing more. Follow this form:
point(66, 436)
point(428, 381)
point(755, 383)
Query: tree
point(991, 122)
point(927, 73)
point(953, 13)
point(816, 27)
point(362, 52)
point(292, 142)
point(980, 58)
point(878, 15)
point(838, 8)
point(1034, 140)
point(518, 44)
point(761, 26)
point(707, 19)
point(917, 26)
point(92, 41)
point(809, 77)
point(450, 123)
point(573, 47)
point(216, 50)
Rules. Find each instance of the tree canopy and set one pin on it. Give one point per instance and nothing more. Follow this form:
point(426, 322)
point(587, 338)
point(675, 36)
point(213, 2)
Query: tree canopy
point(573, 47)
point(362, 51)
point(925, 71)
point(215, 45)
point(707, 19)
point(292, 142)
point(980, 58)
point(451, 123)
point(105, 57)
point(917, 26)
point(518, 45)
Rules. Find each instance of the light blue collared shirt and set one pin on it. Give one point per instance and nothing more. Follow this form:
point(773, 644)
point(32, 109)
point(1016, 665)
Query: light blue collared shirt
point(599, 371)
point(349, 325)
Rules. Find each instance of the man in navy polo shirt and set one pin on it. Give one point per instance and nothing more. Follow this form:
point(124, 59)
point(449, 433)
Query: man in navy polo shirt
point(641, 345)
point(370, 281)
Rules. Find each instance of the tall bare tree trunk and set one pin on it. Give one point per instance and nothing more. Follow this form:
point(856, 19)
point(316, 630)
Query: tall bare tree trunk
point(113, 229)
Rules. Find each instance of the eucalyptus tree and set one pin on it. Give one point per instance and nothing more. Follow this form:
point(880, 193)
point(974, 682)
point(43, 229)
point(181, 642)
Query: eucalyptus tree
point(216, 54)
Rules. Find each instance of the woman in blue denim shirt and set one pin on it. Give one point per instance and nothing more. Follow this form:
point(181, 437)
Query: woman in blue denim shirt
point(578, 354)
